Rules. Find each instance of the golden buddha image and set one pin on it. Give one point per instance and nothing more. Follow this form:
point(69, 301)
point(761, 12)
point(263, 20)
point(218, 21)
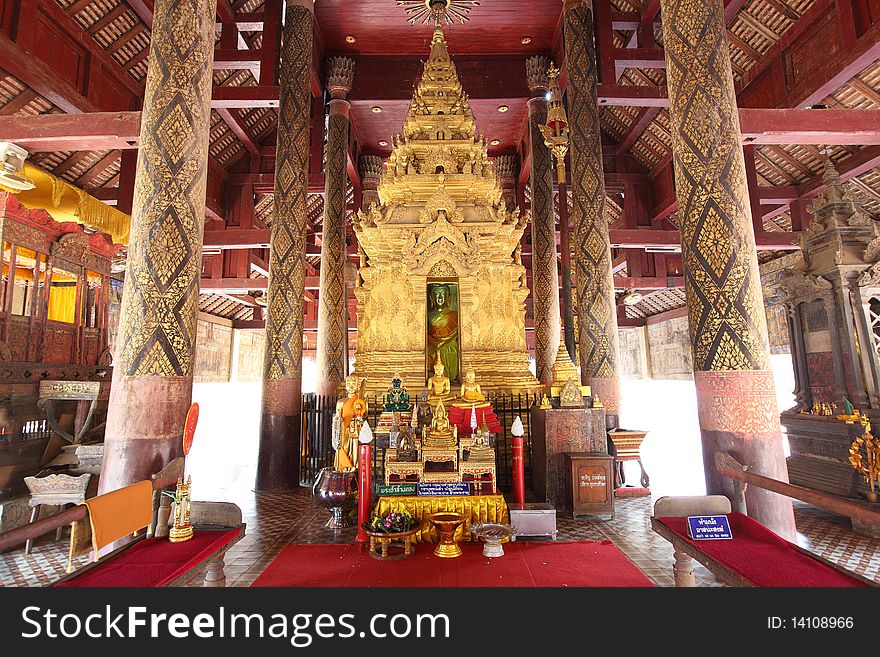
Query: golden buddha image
point(471, 396)
point(439, 386)
point(441, 433)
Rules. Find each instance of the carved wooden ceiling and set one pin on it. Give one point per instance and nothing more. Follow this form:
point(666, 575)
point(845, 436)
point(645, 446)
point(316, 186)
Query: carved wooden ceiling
point(109, 40)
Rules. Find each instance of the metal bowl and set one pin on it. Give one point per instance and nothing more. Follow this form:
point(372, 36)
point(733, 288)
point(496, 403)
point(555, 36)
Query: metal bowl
point(337, 492)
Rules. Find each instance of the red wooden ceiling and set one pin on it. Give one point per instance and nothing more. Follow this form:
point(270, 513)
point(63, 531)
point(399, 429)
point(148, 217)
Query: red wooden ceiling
point(381, 28)
point(506, 127)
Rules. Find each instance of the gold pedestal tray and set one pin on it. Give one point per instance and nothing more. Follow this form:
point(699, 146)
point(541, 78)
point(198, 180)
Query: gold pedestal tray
point(380, 542)
point(446, 523)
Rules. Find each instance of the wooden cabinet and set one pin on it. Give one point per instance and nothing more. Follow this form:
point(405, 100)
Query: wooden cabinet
point(589, 482)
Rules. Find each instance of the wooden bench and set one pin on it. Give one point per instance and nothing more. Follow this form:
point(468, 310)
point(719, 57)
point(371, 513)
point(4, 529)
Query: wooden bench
point(755, 556)
point(155, 561)
point(147, 560)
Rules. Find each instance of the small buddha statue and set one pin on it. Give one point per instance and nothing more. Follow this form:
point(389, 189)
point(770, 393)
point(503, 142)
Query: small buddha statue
point(480, 450)
point(439, 387)
point(471, 396)
point(397, 398)
point(441, 434)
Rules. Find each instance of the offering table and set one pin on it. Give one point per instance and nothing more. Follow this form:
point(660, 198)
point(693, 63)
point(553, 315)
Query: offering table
point(476, 509)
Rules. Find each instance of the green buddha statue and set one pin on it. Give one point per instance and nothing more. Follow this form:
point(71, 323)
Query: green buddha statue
point(397, 398)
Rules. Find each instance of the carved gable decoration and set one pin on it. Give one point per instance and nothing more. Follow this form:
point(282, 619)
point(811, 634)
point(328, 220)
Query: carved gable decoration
point(571, 395)
point(72, 247)
point(441, 204)
point(442, 241)
point(796, 286)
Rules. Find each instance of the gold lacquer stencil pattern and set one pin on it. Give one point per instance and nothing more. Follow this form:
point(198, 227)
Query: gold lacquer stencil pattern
point(545, 279)
point(597, 312)
point(284, 317)
point(157, 324)
point(722, 284)
point(332, 298)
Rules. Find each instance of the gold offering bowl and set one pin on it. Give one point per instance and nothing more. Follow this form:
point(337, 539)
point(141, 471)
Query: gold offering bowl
point(447, 522)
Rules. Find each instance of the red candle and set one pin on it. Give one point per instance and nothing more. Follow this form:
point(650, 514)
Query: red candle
point(365, 485)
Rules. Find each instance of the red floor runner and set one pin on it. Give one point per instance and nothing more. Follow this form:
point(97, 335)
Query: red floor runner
point(584, 563)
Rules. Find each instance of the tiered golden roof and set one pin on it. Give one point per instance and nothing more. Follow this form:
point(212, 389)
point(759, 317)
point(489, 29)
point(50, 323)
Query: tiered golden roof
point(439, 137)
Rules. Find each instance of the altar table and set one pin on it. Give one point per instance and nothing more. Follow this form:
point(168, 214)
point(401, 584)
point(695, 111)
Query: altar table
point(476, 508)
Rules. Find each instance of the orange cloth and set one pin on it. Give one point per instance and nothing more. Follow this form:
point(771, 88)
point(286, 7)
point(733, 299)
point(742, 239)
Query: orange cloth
point(119, 513)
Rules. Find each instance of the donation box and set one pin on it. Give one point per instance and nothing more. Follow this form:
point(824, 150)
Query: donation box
point(589, 479)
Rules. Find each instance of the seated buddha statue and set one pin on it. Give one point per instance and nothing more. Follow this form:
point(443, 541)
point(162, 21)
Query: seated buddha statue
point(441, 434)
point(397, 398)
point(471, 395)
point(439, 388)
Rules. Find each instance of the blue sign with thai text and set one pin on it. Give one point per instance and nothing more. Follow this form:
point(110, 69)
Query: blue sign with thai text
point(444, 489)
point(709, 527)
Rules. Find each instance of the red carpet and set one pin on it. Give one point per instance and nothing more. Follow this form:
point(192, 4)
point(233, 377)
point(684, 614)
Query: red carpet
point(585, 563)
point(763, 557)
point(154, 561)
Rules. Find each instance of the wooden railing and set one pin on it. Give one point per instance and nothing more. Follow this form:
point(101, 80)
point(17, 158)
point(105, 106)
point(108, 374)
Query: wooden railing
point(728, 466)
point(36, 529)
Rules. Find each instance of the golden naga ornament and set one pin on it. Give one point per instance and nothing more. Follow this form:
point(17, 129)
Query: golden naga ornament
point(439, 279)
point(864, 456)
point(555, 131)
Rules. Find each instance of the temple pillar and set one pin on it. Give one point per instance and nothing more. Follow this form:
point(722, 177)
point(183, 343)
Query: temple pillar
point(153, 368)
point(545, 277)
point(278, 464)
point(333, 293)
point(596, 303)
point(736, 396)
point(371, 172)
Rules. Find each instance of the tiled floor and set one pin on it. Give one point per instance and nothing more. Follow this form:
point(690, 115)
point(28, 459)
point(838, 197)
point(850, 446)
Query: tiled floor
point(277, 519)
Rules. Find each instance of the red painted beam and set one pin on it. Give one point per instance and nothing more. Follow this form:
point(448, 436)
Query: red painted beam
point(232, 118)
point(647, 282)
point(855, 165)
point(643, 120)
point(237, 238)
point(247, 97)
point(143, 9)
point(234, 59)
point(96, 131)
point(647, 238)
point(802, 126)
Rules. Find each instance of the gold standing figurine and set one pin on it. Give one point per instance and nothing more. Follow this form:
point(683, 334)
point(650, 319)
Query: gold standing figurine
point(182, 529)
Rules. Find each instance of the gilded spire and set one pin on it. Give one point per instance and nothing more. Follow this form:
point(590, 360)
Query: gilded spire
point(439, 108)
point(439, 151)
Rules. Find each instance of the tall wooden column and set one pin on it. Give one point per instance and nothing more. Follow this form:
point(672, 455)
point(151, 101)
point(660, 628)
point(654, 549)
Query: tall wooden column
point(736, 396)
point(153, 369)
point(545, 277)
point(596, 304)
point(333, 294)
point(278, 464)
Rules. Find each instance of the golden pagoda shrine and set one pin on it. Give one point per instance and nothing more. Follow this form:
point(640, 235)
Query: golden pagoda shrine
point(439, 274)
